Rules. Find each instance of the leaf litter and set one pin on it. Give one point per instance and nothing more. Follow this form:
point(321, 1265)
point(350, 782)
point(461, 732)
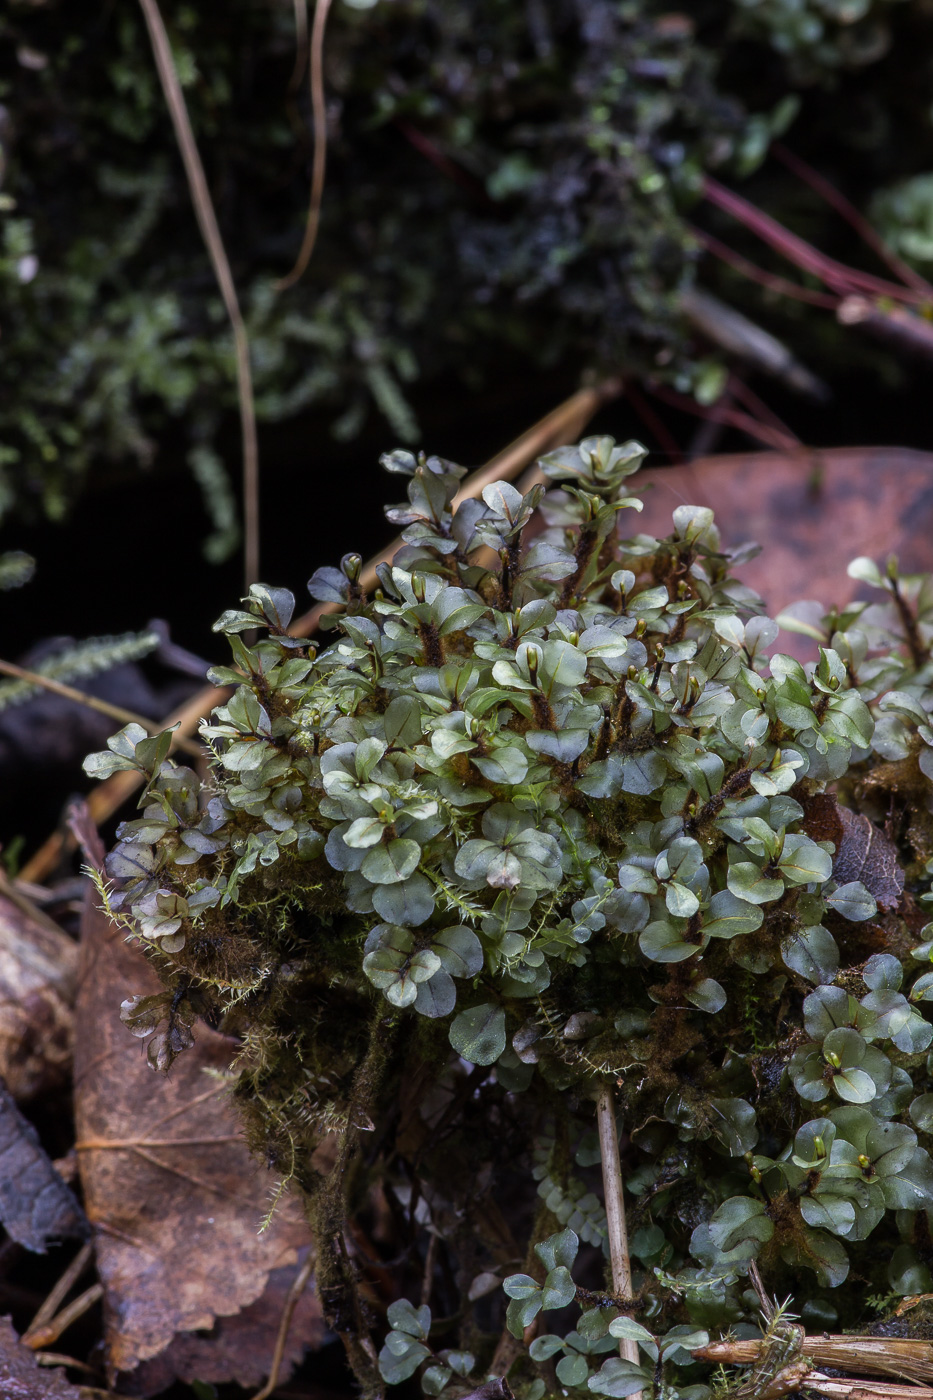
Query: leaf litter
point(173, 1194)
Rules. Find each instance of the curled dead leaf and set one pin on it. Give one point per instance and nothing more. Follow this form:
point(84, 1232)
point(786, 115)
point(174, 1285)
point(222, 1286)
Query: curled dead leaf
point(174, 1197)
point(865, 853)
point(36, 1207)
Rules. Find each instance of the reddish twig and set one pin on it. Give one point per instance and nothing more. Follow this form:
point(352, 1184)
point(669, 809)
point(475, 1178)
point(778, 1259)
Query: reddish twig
point(427, 148)
point(844, 280)
point(732, 417)
point(762, 411)
point(870, 236)
point(653, 422)
point(895, 324)
point(780, 285)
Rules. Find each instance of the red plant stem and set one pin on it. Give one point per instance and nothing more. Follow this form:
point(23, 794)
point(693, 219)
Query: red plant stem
point(741, 391)
point(841, 279)
point(733, 417)
point(653, 422)
point(427, 148)
point(817, 182)
point(780, 285)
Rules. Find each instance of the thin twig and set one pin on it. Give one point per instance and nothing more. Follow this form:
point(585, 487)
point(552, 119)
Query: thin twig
point(818, 1384)
point(563, 424)
point(427, 1281)
point(10, 889)
point(301, 44)
point(757, 406)
point(60, 1292)
point(38, 1338)
point(210, 232)
point(770, 280)
point(615, 1211)
point(319, 164)
point(654, 423)
point(905, 1358)
point(91, 702)
point(291, 1302)
point(737, 335)
point(869, 235)
point(55, 1358)
point(833, 274)
point(732, 417)
point(895, 324)
point(765, 1303)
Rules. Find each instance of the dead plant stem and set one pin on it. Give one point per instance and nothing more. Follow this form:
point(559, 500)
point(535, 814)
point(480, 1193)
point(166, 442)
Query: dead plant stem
point(615, 1211)
point(58, 1294)
point(301, 44)
point(319, 165)
point(291, 1302)
point(210, 231)
point(40, 1338)
point(91, 702)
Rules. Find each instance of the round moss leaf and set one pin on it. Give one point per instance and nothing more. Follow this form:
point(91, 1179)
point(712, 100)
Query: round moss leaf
point(478, 1034)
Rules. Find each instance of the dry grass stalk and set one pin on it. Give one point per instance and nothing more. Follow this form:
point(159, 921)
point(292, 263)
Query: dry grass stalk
point(319, 116)
point(207, 222)
point(91, 702)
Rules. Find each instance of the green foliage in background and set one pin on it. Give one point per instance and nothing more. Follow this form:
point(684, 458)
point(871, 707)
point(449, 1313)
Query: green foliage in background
point(507, 186)
point(546, 814)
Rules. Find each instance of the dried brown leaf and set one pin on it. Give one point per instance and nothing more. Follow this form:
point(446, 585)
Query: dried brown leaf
point(21, 1377)
point(240, 1346)
point(38, 972)
point(36, 1207)
point(863, 852)
point(174, 1197)
point(812, 512)
point(866, 854)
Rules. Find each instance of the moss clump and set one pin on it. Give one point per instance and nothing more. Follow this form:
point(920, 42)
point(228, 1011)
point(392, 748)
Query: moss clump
point(545, 816)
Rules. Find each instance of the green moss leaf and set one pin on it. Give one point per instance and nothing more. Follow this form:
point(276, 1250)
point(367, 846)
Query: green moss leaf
point(478, 1034)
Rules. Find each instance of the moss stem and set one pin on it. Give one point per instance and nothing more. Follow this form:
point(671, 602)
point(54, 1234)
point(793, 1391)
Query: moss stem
point(327, 1210)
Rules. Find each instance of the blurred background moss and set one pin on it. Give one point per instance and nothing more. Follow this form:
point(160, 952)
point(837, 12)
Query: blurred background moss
point(508, 196)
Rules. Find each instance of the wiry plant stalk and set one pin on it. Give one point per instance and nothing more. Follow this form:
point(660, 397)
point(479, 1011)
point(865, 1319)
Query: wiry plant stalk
point(93, 702)
point(210, 231)
point(615, 1211)
point(319, 113)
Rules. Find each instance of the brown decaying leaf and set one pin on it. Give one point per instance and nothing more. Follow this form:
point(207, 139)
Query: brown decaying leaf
point(812, 512)
point(36, 1207)
point(174, 1197)
point(20, 1376)
point(239, 1347)
point(863, 852)
point(38, 971)
point(866, 854)
point(496, 1389)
